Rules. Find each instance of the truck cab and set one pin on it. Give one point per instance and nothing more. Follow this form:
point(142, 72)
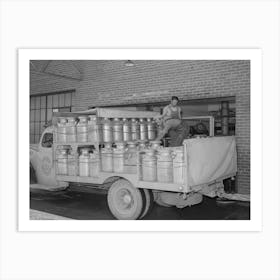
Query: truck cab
point(42, 161)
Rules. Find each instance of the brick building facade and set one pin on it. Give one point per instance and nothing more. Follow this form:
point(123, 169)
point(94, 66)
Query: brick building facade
point(111, 83)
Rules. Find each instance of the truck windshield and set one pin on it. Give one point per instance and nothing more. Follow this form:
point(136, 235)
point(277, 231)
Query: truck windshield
point(47, 140)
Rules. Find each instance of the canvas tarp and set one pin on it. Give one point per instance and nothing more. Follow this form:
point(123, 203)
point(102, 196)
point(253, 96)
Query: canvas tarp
point(110, 113)
point(210, 159)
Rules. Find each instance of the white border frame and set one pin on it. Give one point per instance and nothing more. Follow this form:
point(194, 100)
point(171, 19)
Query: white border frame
point(254, 55)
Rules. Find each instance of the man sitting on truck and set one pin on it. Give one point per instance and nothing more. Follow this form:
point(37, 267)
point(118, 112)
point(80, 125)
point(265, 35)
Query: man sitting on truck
point(171, 118)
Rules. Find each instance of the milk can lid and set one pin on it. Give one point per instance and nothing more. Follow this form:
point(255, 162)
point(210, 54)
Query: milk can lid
point(94, 154)
point(150, 151)
point(131, 143)
point(71, 119)
point(143, 141)
point(63, 119)
point(63, 151)
point(62, 147)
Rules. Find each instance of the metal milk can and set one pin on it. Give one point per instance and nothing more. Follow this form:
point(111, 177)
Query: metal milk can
point(107, 158)
point(159, 127)
point(131, 153)
point(82, 129)
point(142, 145)
point(126, 130)
point(178, 165)
point(155, 145)
point(93, 129)
point(71, 163)
point(84, 162)
point(61, 130)
point(62, 162)
point(118, 157)
point(71, 132)
point(143, 129)
point(117, 130)
point(107, 131)
point(151, 129)
point(100, 130)
point(94, 164)
point(135, 130)
point(149, 166)
point(120, 145)
point(164, 166)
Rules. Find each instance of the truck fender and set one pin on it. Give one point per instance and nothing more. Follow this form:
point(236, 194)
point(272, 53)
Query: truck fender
point(32, 174)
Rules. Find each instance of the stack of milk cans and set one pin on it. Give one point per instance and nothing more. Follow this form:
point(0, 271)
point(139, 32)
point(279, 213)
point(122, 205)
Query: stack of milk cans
point(165, 165)
point(122, 138)
point(118, 138)
point(84, 132)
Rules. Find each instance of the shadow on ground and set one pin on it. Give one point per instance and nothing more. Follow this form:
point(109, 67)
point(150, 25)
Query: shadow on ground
point(84, 204)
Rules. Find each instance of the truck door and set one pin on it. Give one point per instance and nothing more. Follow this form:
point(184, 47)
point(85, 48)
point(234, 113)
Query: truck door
point(46, 165)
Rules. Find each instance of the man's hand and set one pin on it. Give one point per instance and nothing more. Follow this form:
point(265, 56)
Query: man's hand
point(159, 120)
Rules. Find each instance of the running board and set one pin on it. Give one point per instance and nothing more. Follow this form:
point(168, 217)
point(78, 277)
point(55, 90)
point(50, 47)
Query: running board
point(47, 188)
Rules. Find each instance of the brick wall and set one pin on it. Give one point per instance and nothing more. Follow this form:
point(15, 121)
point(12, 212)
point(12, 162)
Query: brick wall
point(243, 127)
point(109, 83)
point(112, 83)
point(44, 83)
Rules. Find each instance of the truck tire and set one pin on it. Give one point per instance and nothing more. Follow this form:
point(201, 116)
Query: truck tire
point(124, 200)
point(149, 197)
point(158, 200)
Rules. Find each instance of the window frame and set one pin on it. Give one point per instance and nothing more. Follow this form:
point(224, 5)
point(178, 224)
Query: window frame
point(46, 104)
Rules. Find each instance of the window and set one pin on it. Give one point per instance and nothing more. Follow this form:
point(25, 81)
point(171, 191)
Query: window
point(42, 108)
point(47, 140)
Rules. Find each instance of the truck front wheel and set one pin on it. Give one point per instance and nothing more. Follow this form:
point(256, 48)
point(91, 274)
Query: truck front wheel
point(124, 200)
